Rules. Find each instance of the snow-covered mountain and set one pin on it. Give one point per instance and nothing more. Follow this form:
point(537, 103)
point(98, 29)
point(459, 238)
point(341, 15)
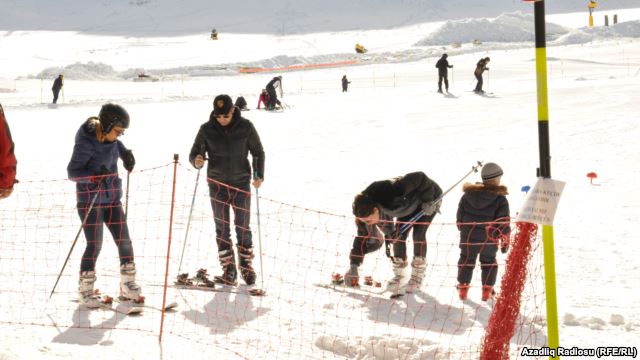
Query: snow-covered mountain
point(281, 17)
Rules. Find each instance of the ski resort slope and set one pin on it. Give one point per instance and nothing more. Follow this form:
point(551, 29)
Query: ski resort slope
point(320, 152)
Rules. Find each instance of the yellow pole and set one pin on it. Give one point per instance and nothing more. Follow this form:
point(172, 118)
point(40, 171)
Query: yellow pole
point(545, 172)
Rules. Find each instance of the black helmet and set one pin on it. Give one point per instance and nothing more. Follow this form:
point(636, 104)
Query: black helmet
point(113, 115)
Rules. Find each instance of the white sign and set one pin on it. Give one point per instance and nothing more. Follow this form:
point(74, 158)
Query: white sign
point(541, 202)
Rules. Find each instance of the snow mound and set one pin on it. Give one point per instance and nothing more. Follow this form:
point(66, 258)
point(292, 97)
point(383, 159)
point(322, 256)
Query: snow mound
point(78, 71)
point(508, 27)
point(628, 29)
point(382, 347)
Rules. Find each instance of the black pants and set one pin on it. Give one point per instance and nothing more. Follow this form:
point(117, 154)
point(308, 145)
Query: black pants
point(273, 98)
point(419, 230)
point(479, 84)
point(469, 251)
point(111, 215)
point(446, 82)
point(222, 198)
point(55, 95)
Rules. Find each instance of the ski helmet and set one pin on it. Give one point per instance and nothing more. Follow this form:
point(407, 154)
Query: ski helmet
point(113, 115)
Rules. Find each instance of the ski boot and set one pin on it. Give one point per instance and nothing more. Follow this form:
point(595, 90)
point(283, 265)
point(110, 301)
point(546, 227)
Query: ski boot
point(245, 257)
point(230, 273)
point(129, 290)
point(418, 270)
point(86, 295)
point(487, 292)
point(395, 284)
point(463, 290)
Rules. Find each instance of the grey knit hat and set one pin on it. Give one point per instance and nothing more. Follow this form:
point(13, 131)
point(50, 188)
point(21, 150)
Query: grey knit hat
point(491, 171)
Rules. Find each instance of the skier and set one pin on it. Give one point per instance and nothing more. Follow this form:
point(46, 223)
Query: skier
point(264, 99)
point(481, 66)
point(227, 138)
point(57, 86)
point(483, 221)
point(94, 168)
point(345, 83)
point(275, 83)
point(443, 66)
point(241, 103)
point(380, 210)
point(7, 158)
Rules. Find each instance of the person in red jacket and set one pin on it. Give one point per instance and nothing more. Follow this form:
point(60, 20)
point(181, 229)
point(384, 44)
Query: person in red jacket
point(264, 98)
point(7, 158)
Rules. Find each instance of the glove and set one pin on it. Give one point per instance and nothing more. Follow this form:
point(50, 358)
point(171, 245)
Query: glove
point(504, 244)
point(430, 208)
point(99, 176)
point(129, 160)
point(351, 277)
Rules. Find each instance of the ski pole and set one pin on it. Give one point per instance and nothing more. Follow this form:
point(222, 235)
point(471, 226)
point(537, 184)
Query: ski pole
point(417, 216)
point(84, 222)
point(186, 233)
point(126, 198)
point(259, 238)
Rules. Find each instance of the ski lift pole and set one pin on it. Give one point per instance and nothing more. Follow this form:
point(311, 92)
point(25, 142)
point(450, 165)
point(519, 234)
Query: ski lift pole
point(417, 216)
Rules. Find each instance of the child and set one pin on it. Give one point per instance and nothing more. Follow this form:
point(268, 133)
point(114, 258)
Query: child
point(483, 221)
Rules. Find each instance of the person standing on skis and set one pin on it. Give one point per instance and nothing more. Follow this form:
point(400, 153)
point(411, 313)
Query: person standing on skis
point(228, 138)
point(58, 83)
point(345, 83)
point(380, 211)
point(483, 221)
point(481, 66)
point(443, 66)
point(94, 168)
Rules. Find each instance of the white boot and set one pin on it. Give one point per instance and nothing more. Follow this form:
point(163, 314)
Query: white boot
point(86, 296)
point(395, 284)
point(418, 270)
point(128, 287)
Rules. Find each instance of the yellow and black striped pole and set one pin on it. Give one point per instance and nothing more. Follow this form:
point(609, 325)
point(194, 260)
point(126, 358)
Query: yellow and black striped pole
point(545, 172)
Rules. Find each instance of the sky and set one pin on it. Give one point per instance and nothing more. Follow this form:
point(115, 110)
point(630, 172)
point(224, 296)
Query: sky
point(322, 150)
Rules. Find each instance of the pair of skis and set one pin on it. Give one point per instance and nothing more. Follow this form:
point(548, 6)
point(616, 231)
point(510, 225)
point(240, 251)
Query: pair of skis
point(127, 306)
point(369, 287)
point(202, 282)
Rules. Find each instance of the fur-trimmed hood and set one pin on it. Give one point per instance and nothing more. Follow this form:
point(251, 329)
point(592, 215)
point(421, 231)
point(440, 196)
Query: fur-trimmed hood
point(481, 196)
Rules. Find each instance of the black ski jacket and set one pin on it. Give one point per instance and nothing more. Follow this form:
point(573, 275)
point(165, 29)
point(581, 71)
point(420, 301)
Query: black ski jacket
point(227, 149)
point(480, 205)
point(442, 66)
point(395, 198)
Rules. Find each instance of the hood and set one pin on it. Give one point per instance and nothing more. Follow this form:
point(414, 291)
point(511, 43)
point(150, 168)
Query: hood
point(483, 195)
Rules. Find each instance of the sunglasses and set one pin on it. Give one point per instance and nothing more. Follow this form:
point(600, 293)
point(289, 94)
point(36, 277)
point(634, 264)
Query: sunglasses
point(226, 116)
point(119, 131)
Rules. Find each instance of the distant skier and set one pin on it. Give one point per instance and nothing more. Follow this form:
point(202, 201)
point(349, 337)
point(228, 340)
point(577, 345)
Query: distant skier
point(57, 85)
point(483, 221)
point(380, 211)
point(7, 158)
point(275, 83)
point(94, 168)
point(345, 83)
point(263, 99)
point(443, 66)
point(241, 103)
point(480, 68)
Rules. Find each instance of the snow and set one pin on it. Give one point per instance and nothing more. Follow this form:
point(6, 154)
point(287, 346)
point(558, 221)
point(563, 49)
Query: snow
point(320, 153)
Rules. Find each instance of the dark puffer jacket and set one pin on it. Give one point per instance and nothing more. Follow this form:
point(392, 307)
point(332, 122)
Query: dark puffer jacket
point(395, 198)
point(483, 204)
point(88, 158)
point(402, 195)
point(227, 149)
